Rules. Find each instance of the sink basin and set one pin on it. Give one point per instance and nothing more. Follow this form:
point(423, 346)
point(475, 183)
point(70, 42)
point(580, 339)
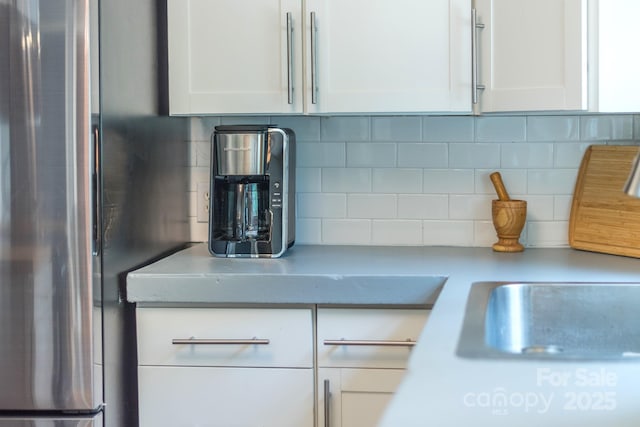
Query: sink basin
point(589, 321)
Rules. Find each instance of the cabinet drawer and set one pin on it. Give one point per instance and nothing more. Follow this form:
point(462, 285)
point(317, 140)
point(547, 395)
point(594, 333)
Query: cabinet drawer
point(204, 396)
point(367, 338)
point(225, 337)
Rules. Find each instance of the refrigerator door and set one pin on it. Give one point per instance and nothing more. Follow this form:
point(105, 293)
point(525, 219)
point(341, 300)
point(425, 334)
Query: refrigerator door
point(46, 228)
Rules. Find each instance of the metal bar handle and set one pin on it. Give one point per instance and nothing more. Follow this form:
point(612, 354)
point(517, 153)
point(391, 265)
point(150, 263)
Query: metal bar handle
point(205, 341)
point(381, 343)
point(96, 193)
point(475, 26)
point(289, 59)
point(314, 62)
point(327, 403)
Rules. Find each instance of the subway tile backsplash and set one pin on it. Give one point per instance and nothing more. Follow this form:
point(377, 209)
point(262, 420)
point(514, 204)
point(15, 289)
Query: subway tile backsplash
point(424, 180)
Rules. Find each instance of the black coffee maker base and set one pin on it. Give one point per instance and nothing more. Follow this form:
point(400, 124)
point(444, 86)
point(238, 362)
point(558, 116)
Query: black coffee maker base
point(247, 249)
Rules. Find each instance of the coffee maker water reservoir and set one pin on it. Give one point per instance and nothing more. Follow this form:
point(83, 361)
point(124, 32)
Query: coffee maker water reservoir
point(252, 203)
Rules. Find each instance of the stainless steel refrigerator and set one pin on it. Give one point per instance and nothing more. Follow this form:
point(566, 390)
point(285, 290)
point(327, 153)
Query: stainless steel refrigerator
point(91, 187)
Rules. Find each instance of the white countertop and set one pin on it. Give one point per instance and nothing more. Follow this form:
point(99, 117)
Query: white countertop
point(440, 388)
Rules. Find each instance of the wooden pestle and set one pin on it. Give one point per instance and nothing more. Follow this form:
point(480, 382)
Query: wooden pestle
point(496, 179)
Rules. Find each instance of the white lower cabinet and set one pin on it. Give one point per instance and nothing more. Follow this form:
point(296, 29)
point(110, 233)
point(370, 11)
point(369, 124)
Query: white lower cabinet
point(254, 367)
point(362, 355)
point(225, 367)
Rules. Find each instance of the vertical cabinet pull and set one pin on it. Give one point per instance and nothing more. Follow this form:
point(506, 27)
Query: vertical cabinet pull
point(475, 26)
point(314, 54)
point(96, 192)
point(327, 403)
point(289, 59)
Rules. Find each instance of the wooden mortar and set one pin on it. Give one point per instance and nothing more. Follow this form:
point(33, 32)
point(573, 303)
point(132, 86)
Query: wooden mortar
point(508, 217)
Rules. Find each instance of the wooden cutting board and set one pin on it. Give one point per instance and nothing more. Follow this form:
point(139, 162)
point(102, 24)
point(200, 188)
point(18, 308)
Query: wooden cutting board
point(603, 218)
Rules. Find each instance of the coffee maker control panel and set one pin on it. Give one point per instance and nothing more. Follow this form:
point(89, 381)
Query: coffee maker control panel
point(276, 195)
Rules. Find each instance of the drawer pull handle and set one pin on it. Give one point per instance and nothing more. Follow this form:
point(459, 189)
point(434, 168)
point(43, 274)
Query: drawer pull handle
point(198, 341)
point(383, 343)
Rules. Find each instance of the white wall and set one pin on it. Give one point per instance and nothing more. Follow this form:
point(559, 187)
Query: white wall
point(424, 180)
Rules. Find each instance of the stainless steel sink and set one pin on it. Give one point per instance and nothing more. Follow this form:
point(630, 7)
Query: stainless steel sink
point(588, 321)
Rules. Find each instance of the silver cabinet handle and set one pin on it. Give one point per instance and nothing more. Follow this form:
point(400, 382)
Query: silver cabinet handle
point(96, 193)
point(382, 343)
point(204, 341)
point(327, 403)
point(314, 63)
point(289, 59)
point(475, 26)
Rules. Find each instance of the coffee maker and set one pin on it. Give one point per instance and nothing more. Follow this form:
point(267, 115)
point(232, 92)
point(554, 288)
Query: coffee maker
point(252, 197)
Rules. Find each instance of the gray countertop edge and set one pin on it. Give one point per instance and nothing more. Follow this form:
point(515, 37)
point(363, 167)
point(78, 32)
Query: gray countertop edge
point(356, 274)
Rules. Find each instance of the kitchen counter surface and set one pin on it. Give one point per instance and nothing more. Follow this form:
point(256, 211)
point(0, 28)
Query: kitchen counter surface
point(440, 388)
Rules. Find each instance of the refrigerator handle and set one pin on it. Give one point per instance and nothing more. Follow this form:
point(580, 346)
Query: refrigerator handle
point(96, 215)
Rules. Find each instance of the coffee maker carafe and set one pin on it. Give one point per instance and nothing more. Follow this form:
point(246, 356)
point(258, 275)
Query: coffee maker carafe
point(252, 203)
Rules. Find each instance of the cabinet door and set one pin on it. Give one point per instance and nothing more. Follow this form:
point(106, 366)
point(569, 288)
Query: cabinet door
point(229, 56)
point(356, 397)
point(616, 66)
point(532, 55)
point(388, 56)
point(225, 397)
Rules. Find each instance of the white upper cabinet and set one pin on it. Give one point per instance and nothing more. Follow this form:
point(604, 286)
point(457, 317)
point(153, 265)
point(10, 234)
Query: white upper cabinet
point(230, 56)
point(376, 56)
point(358, 56)
point(532, 55)
point(614, 62)
point(401, 56)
